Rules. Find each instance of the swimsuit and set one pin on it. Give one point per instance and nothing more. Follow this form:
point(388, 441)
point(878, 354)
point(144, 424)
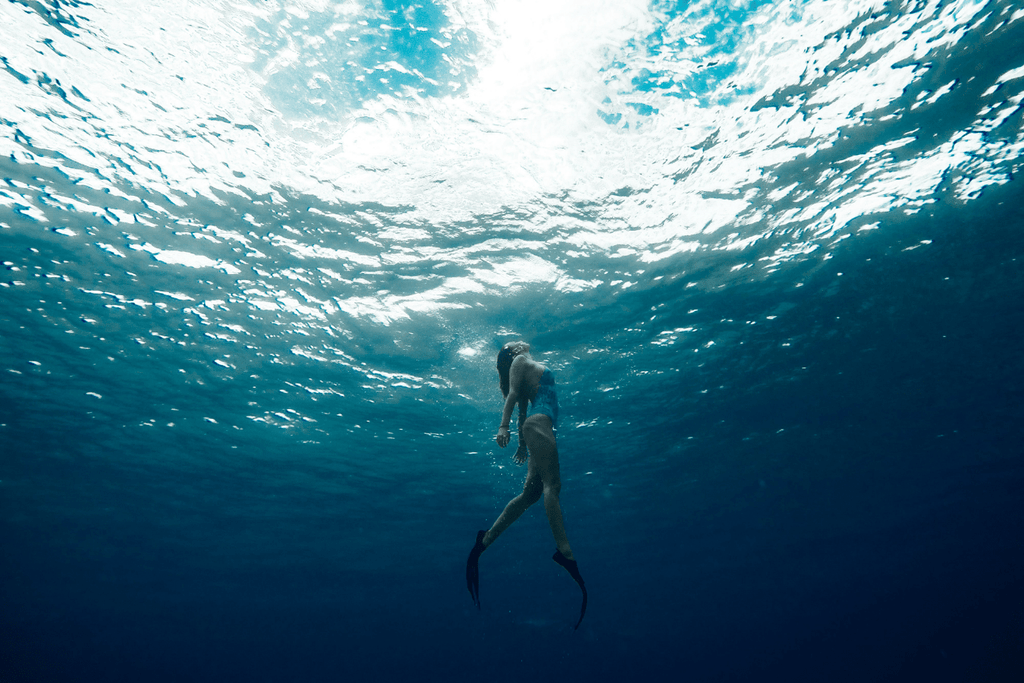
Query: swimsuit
point(545, 402)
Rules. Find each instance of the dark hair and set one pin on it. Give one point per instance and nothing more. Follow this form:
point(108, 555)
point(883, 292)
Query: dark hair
point(505, 358)
point(508, 354)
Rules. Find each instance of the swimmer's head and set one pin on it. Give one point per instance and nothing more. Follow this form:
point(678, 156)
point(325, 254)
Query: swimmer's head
point(508, 354)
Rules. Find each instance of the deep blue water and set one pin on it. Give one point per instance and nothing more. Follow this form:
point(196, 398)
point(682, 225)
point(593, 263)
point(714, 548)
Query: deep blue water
point(259, 258)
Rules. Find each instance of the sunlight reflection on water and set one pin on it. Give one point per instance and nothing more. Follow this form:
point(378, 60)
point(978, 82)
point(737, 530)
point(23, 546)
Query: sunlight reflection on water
point(298, 174)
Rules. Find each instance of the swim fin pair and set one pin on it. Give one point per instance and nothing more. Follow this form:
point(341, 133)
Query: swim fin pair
point(473, 574)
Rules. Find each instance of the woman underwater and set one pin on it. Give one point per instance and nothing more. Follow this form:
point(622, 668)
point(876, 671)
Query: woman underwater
point(525, 380)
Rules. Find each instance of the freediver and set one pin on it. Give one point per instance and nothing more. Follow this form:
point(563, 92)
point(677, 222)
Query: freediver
point(523, 380)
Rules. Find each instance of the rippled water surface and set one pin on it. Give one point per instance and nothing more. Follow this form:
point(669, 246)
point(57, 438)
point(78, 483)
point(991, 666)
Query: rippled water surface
point(259, 258)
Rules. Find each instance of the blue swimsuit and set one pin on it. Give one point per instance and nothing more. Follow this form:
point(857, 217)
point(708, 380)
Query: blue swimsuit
point(546, 400)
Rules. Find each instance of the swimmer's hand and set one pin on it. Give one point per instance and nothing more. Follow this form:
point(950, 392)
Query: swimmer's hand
point(521, 454)
point(503, 436)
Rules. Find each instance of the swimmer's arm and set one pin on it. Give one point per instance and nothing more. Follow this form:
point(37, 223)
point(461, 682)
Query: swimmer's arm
point(515, 379)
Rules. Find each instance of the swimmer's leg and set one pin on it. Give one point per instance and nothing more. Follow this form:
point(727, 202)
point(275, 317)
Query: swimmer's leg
point(574, 572)
point(544, 459)
point(516, 507)
point(554, 511)
point(532, 490)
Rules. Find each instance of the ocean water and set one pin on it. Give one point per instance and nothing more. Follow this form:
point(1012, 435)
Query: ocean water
point(259, 256)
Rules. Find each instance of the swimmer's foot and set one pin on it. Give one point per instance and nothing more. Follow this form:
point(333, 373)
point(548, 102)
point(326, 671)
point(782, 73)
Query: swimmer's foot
point(473, 571)
point(574, 572)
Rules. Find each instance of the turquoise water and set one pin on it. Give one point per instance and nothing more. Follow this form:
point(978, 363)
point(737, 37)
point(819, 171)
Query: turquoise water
point(259, 258)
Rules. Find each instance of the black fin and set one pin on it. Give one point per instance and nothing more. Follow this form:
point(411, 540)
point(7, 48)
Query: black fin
point(574, 572)
point(473, 571)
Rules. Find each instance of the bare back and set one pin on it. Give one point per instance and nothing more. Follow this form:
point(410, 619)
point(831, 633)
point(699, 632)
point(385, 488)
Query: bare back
point(524, 376)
